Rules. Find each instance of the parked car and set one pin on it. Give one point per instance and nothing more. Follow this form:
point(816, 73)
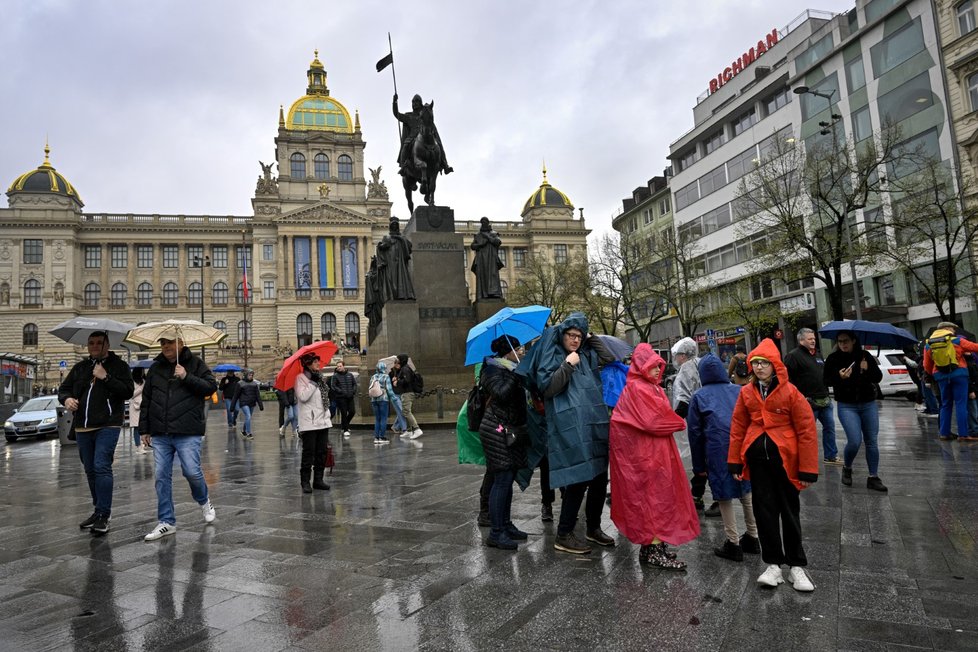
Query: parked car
point(896, 379)
point(37, 417)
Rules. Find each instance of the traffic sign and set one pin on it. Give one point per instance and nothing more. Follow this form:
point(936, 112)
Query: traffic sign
point(741, 330)
point(63, 364)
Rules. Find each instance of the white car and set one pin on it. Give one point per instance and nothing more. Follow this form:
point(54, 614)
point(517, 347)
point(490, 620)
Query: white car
point(896, 379)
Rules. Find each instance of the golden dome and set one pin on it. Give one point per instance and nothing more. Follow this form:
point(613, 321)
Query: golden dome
point(44, 179)
point(547, 195)
point(316, 110)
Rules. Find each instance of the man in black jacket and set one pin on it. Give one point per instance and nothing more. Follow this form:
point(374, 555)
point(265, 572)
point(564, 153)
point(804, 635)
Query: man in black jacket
point(343, 386)
point(172, 420)
point(227, 386)
point(805, 366)
point(96, 390)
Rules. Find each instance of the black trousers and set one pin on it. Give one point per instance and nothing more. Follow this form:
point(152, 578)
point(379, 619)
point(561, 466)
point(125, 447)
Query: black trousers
point(573, 496)
point(346, 406)
point(313, 449)
point(547, 495)
point(487, 481)
point(776, 505)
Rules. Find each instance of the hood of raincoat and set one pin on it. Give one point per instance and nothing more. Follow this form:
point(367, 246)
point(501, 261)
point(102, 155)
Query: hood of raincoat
point(712, 370)
point(768, 350)
point(644, 360)
point(549, 353)
point(686, 345)
point(381, 368)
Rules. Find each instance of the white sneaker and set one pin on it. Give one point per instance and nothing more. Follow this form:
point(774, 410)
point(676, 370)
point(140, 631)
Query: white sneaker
point(208, 511)
point(919, 407)
point(140, 450)
point(281, 431)
point(346, 434)
point(417, 433)
point(772, 576)
point(799, 579)
point(160, 531)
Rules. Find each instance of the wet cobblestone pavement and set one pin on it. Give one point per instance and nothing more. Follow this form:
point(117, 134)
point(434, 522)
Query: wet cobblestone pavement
point(392, 559)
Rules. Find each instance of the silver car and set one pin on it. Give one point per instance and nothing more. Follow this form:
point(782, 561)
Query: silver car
point(37, 417)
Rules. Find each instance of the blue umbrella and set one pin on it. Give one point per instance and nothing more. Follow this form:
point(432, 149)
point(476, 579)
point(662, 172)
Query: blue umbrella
point(870, 333)
point(141, 364)
point(522, 323)
point(226, 367)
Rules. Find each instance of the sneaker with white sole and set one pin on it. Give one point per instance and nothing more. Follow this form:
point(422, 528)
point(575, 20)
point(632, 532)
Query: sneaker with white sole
point(417, 433)
point(208, 511)
point(346, 434)
point(772, 576)
point(799, 579)
point(160, 531)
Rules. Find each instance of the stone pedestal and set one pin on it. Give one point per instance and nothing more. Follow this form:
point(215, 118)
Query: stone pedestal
point(486, 308)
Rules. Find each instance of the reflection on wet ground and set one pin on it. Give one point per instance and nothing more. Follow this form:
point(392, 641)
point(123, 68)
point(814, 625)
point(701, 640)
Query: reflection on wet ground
point(392, 559)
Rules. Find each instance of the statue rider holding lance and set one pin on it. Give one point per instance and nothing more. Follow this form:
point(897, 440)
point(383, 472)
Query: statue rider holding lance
point(412, 127)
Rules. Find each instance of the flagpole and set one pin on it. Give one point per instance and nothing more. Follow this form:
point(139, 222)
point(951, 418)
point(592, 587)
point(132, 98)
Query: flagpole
point(390, 46)
point(245, 295)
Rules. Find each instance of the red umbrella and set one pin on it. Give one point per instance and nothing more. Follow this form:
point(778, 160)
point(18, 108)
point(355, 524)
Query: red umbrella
point(291, 368)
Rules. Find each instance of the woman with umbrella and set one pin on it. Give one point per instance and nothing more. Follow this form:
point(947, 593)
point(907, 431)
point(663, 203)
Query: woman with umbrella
point(312, 399)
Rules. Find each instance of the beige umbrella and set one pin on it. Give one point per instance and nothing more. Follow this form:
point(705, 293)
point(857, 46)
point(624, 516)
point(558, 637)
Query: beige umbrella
point(389, 361)
point(193, 333)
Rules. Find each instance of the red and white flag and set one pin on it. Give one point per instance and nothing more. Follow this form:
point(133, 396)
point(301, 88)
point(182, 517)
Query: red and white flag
point(244, 282)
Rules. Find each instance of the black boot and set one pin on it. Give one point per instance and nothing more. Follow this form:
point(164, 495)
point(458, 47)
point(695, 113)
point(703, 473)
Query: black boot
point(317, 479)
point(304, 475)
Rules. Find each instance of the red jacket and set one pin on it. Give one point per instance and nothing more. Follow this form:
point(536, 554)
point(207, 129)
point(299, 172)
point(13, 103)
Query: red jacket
point(784, 415)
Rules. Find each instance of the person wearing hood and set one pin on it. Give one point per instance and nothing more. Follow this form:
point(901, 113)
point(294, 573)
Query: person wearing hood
point(172, 419)
point(246, 396)
point(708, 423)
point(381, 393)
point(564, 367)
point(687, 382)
point(226, 387)
point(774, 444)
point(651, 505)
point(312, 404)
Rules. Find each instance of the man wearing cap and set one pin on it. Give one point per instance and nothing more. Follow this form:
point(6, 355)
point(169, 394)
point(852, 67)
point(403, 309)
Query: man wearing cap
point(172, 420)
point(95, 390)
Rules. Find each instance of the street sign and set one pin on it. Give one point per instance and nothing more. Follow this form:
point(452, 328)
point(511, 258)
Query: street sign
point(63, 364)
point(712, 343)
point(741, 330)
point(709, 332)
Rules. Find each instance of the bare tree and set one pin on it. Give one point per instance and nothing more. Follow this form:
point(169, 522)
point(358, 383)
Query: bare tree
point(757, 316)
point(561, 286)
point(618, 272)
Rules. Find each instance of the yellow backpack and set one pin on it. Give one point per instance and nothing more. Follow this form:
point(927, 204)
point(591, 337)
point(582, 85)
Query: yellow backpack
point(941, 344)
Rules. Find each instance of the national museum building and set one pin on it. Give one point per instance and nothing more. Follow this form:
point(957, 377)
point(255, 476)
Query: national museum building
point(305, 249)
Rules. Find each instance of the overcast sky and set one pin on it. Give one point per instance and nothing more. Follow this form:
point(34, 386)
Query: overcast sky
point(167, 107)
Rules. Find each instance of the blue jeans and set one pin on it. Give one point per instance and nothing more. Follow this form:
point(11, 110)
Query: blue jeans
point(187, 448)
point(232, 414)
point(827, 419)
point(292, 416)
point(136, 441)
point(400, 423)
point(930, 401)
point(501, 502)
point(861, 421)
point(380, 417)
point(246, 411)
point(954, 394)
point(97, 450)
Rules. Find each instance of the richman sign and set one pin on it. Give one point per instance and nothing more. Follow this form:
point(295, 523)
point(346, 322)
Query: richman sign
point(740, 64)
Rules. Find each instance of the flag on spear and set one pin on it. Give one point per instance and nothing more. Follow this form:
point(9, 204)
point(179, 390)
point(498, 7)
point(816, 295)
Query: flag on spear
point(386, 61)
point(244, 281)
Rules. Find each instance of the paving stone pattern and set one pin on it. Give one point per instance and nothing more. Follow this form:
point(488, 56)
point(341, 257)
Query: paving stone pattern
point(392, 559)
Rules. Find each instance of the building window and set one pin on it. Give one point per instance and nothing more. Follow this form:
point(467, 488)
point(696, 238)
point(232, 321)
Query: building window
point(973, 91)
point(244, 331)
point(687, 195)
point(780, 99)
point(269, 290)
point(689, 158)
point(242, 256)
point(502, 256)
point(219, 256)
point(855, 75)
point(966, 17)
point(714, 141)
point(745, 122)
point(194, 253)
point(219, 294)
point(504, 286)
point(29, 338)
point(713, 180)
point(221, 326)
point(344, 168)
point(195, 294)
point(268, 252)
point(560, 253)
point(117, 295)
point(93, 256)
point(519, 257)
point(862, 124)
point(144, 256)
point(144, 295)
point(897, 48)
point(297, 166)
point(33, 252)
point(171, 256)
point(353, 330)
point(664, 206)
point(118, 256)
point(327, 326)
point(239, 294)
point(93, 294)
point(32, 292)
point(321, 166)
point(170, 294)
point(303, 329)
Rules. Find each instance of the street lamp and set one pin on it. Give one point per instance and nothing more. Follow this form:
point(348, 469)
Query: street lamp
point(202, 263)
point(827, 127)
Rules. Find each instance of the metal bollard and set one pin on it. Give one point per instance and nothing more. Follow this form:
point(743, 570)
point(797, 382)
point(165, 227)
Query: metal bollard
point(440, 402)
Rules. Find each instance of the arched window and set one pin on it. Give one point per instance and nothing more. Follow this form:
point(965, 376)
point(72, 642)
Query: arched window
point(221, 326)
point(239, 293)
point(504, 286)
point(353, 330)
point(93, 294)
point(297, 166)
point(118, 295)
point(321, 166)
point(30, 335)
point(219, 294)
point(144, 295)
point(344, 168)
point(170, 294)
point(32, 292)
point(327, 326)
point(303, 329)
point(244, 332)
point(195, 294)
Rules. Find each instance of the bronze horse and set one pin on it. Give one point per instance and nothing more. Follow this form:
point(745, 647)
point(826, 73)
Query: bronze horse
point(426, 160)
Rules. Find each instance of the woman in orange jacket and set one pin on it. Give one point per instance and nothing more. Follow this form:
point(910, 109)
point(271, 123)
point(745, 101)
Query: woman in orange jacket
point(773, 435)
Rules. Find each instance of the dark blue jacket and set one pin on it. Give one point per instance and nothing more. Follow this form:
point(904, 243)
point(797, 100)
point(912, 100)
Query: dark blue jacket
point(708, 426)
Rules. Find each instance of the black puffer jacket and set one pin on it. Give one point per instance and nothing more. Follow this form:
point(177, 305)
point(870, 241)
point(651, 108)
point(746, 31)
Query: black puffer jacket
point(247, 393)
point(100, 403)
point(344, 385)
point(506, 405)
point(172, 406)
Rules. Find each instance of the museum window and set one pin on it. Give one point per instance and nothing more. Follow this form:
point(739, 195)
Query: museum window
point(268, 290)
point(93, 256)
point(195, 294)
point(239, 294)
point(117, 295)
point(504, 287)
point(297, 166)
point(560, 253)
point(219, 256)
point(144, 295)
point(244, 331)
point(966, 17)
point(118, 256)
point(219, 294)
point(194, 253)
point(268, 252)
point(519, 257)
point(32, 292)
point(502, 256)
point(170, 294)
point(321, 166)
point(171, 256)
point(144, 256)
point(29, 337)
point(93, 294)
point(327, 326)
point(242, 256)
point(221, 326)
point(352, 323)
point(33, 252)
point(344, 168)
point(303, 329)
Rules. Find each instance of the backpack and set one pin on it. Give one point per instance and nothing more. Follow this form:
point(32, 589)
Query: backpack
point(375, 389)
point(941, 344)
point(740, 369)
point(417, 383)
point(476, 408)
